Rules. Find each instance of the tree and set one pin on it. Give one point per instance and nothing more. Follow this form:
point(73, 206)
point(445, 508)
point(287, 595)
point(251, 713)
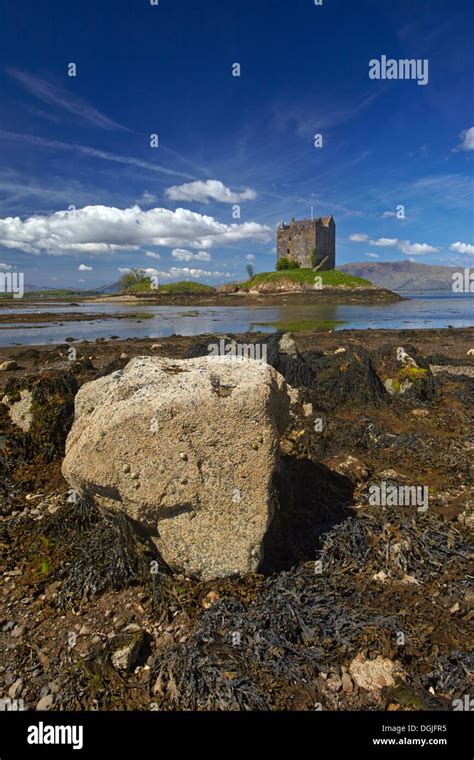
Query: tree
point(250, 271)
point(313, 258)
point(134, 277)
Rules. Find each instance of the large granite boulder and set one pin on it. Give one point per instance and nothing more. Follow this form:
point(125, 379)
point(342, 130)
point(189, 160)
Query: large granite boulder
point(190, 450)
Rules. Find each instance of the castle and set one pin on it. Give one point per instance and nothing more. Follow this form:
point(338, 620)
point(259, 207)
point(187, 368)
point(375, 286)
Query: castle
point(299, 240)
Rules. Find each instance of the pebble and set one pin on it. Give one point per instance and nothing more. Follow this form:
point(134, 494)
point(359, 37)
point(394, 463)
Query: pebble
point(45, 702)
point(15, 689)
point(8, 366)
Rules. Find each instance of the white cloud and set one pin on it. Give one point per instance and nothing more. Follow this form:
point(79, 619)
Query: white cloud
point(467, 138)
point(6, 266)
point(373, 255)
point(85, 150)
point(56, 96)
point(124, 270)
point(152, 255)
point(250, 257)
point(81, 280)
point(105, 229)
point(388, 214)
point(417, 249)
point(189, 272)
point(85, 268)
point(147, 198)
point(358, 238)
point(211, 189)
point(182, 255)
point(462, 247)
point(384, 242)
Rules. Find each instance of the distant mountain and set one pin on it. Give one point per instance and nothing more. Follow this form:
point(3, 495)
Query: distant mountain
point(113, 288)
point(404, 276)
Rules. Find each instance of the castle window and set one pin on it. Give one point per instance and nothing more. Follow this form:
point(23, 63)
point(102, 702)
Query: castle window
point(287, 250)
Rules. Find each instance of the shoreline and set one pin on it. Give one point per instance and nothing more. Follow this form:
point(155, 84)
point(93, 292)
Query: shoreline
point(453, 341)
point(253, 298)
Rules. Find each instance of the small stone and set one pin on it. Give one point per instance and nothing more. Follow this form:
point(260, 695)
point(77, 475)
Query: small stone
point(45, 703)
point(18, 631)
point(420, 412)
point(372, 675)
point(211, 598)
point(347, 685)
point(470, 352)
point(334, 683)
point(124, 356)
point(15, 689)
point(156, 346)
point(8, 366)
point(126, 468)
point(134, 475)
point(287, 345)
point(340, 351)
point(183, 457)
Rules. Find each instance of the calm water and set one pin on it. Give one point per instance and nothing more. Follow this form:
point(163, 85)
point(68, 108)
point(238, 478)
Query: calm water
point(420, 311)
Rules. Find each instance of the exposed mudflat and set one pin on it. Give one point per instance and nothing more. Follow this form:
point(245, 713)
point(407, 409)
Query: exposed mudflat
point(377, 611)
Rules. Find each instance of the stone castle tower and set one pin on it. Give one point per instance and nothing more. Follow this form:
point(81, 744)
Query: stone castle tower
point(298, 239)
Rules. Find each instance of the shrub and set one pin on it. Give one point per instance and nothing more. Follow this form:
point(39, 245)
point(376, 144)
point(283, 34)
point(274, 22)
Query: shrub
point(285, 263)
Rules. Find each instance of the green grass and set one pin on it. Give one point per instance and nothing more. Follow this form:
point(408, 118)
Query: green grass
point(308, 325)
point(307, 277)
point(173, 287)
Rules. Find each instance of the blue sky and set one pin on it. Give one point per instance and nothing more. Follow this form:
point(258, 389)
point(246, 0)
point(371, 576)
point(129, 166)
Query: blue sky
point(84, 195)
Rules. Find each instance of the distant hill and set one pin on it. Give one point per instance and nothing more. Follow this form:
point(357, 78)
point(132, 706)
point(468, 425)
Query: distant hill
point(113, 288)
point(403, 276)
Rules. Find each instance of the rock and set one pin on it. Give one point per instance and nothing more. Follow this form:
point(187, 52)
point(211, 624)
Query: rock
point(287, 345)
point(420, 412)
point(156, 346)
point(41, 408)
point(124, 356)
point(15, 689)
point(45, 703)
point(470, 352)
point(18, 631)
point(406, 373)
point(334, 683)
point(372, 675)
point(20, 411)
point(126, 648)
point(340, 351)
point(347, 685)
point(8, 366)
point(224, 414)
point(346, 378)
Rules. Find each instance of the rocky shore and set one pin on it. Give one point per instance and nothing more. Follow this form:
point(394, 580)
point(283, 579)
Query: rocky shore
point(352, 600)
